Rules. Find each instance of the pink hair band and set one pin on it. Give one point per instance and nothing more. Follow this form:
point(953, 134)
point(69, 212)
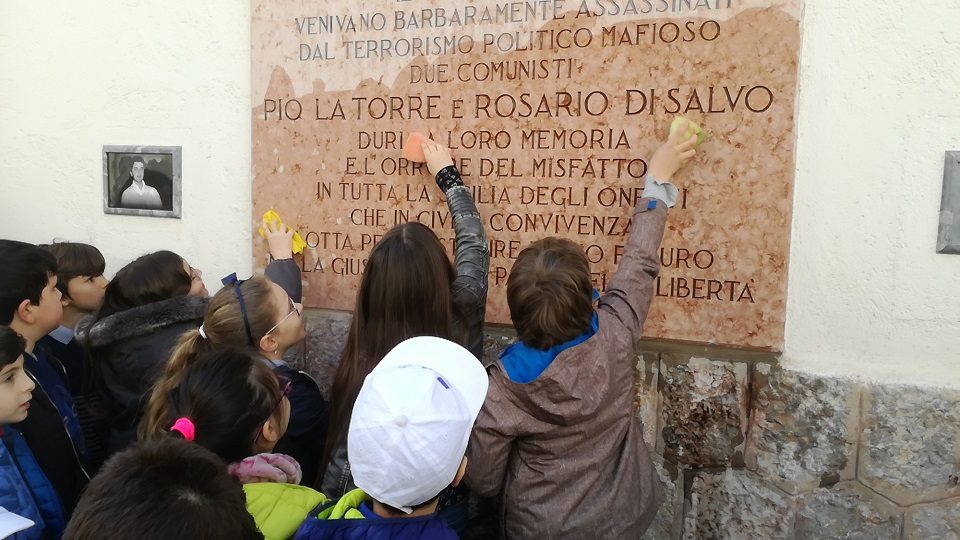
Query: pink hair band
point(185, 427)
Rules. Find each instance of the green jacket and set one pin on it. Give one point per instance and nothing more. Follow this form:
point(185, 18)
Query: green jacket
point(278, 509)
point(346, 507)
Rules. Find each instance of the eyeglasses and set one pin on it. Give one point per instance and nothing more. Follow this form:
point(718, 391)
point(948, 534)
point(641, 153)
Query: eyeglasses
point(286, 385)
point(294, 308)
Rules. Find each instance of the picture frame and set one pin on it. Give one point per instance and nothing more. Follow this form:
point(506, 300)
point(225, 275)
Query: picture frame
point(142, 180)
point(948, 234)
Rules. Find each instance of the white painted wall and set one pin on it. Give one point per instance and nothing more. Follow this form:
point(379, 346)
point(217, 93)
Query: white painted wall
point(879, 103)
point(77, 75)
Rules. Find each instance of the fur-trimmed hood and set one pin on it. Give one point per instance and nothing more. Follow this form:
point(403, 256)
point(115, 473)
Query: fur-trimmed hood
point(143, 320)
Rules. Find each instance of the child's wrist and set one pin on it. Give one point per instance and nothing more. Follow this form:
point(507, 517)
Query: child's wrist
point(448, 177)
point(660, 189)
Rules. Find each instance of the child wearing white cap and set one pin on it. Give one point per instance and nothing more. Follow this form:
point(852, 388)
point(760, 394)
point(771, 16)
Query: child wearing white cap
point(407, 442)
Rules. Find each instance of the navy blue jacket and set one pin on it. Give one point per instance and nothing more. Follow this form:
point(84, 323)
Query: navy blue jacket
point(71, 358)
point(52, 429)
point(25, 490)
point(372, 527)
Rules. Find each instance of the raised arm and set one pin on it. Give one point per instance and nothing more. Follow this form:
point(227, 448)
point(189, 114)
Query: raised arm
point(283, 270)
point(471, 253)
point(630, 290)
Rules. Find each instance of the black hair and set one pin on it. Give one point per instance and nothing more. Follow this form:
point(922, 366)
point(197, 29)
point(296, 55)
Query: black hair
point(228, 395)
point(163, 489)
point(75, 260)
point(12, 346)
point(26, 271)
point(151, 278)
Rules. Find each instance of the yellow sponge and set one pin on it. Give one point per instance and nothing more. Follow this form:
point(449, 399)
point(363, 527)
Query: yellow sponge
point(692, 129)
point(274, 218)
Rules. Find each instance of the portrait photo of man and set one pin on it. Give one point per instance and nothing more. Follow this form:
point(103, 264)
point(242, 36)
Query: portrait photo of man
point(139, 194)
point(142, 181)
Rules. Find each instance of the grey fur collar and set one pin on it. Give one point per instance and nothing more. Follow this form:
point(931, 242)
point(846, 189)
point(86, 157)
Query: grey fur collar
point(143, 320)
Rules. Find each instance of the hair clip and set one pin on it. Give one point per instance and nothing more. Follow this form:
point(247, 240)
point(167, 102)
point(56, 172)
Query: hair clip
point(202, 333)
point(185, 427)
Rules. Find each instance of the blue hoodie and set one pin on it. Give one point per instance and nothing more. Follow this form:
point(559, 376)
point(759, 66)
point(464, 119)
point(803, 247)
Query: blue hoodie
point(524, 364)
point(25, 490)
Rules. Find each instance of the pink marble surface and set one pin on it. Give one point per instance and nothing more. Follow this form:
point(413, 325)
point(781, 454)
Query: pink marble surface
point(725, 250)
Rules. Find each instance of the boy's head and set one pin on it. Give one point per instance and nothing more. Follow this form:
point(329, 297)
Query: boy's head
point(79, 274)
point(29, 298)
point(549, 293)
point(168, 488)
point(412, 420)
point(16, 386)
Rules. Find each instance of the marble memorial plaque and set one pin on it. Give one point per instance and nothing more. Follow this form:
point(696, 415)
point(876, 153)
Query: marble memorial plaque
point(552, 109)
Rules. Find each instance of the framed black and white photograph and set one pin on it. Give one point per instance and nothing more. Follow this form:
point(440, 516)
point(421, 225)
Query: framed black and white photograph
point(142, 180)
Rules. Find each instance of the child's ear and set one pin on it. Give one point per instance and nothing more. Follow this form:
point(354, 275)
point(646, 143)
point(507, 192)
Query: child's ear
point(24, 312)
point(268, 344)
point(460, 472)
point(271, 432)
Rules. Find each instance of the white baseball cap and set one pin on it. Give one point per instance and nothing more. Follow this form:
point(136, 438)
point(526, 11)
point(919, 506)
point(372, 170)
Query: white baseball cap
point(412, 420)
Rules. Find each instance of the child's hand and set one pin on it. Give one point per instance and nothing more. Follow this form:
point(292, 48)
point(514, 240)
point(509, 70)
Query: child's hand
point(672, 154)
point(280, 240)
point(438, 156)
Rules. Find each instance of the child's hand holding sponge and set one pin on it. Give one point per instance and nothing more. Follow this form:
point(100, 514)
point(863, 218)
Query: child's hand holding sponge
point(421, 149)
point(283, 241)
point(690, 128)
point(413, 147)
point(684, 138)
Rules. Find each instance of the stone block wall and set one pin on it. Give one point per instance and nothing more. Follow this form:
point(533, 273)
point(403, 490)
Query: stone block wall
point(745, 449)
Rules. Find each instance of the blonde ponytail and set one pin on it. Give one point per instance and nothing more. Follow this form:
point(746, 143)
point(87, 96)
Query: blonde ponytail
point(224, 326)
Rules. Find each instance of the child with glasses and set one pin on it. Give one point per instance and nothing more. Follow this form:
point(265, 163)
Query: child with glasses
point(262, 315)
point(232, 404)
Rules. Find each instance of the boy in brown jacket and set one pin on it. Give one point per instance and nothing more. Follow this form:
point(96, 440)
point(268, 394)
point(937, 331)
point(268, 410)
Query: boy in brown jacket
point(557, 434)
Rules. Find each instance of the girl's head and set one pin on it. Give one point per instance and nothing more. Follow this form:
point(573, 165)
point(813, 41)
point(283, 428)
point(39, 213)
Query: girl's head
point(266, 322)
point(235, 403)
point(404, 293)
point(255, 313)
point(160, 275)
